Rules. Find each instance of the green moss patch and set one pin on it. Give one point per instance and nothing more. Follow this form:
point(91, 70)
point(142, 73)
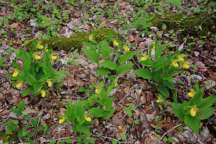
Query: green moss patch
point(194, 24)
point(76, 40)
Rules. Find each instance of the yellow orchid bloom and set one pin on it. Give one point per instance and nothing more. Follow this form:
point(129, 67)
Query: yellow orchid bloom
point(126, 48)
point(185, 65)
point(87, 118)
point(61, 120)
point(15, 73)
point(159, 100)
point(144, 58)
point(39, 46)
point(180, 58)
point(91, 37)
point(191, 93)
point(53, 57)
point(49, 83)
point(37, 57)
point(43, 93)
point(115, 43)
point(19, 84)
point(175, 64)
point(97, 91)
point(193, 111)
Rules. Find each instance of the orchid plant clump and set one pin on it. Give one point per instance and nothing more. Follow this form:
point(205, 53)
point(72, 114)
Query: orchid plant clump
point(36, 75)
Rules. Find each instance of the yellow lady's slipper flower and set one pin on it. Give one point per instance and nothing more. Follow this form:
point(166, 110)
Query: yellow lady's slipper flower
point(91, 37)
point(61, 120)
point(144, 58)
point(180, 58)
point(15, 73)
point(39, 46)
point(49, 83)
point(19, 84)
point(116, 84)
point(193, 111)
point(87, 118)
point(97, 91)
point(126, 48)
point(53, 57)
point(185, 65)
point(175, 64)
point(43, 93)
point(115, 43)
point(159, 100)
point(191, 93)
point(37, 57)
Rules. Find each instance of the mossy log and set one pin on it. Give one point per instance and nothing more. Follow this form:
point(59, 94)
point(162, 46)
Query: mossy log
point(195, 24)
point(75, 41)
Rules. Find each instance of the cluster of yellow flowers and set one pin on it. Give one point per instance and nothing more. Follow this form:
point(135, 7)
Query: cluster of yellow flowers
point(15, 74)
point(86, 118)
point(19, 84)
point(193, 109)
point(180, 61)
point(38, 57)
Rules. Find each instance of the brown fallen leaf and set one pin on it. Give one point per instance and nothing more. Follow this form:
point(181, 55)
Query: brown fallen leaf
point(16, 25)
point(212, 74)
point(121, 130)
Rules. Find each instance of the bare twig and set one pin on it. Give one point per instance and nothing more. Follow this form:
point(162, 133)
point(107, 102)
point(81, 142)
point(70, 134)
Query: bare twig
point(170, 131)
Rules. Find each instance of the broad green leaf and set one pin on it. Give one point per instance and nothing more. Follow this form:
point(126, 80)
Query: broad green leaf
point(122, 69)
point(102, 71)
point(11, 126)
point(178, 110)
point(104, 49)
point(163, 91)
point(109, 64)
point(207, 102)
point(2, 62)
point(206, 112)
point(114, 141)
point(91, 54)
point(145, 74)
point(96, 112)
point(20, 108)
point(147, 63)
point(168, 84)
point(193, 123)
point(27, 91)
point(126, 56)
point(176, 3)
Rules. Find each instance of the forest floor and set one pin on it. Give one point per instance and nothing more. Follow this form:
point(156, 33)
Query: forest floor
point(149, 122)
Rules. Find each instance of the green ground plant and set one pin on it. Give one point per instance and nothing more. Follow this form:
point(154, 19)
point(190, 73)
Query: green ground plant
point(102, 54)
point(96, 105)
point(36, 75)
point(37, 72)
point(194, 110)
point(160, 67)
point(13, 131)
point(129, 109)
